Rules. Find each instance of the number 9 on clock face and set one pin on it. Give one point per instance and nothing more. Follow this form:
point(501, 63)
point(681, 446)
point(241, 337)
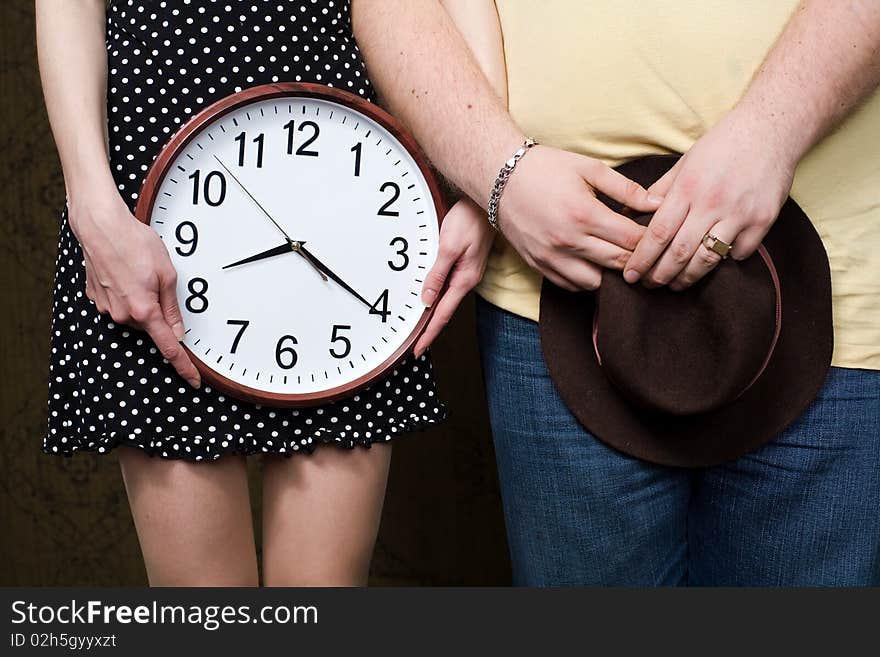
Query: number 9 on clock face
point(301, 221)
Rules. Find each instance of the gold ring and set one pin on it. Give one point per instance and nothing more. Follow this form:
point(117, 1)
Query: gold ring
point(720, 247)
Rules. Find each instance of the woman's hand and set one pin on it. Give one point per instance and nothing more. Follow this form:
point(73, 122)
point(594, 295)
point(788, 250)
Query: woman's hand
point(130, 276)
point(550, 214)
point(465, 240)
point(730, 184)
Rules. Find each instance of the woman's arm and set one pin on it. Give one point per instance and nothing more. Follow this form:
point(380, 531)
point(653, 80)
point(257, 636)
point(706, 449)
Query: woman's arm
point(128, 271)
point(478, 24)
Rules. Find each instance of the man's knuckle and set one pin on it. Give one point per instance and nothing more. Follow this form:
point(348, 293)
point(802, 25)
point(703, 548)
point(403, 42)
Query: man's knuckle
point(659, 232)
point(681, 252)
point(707, 258)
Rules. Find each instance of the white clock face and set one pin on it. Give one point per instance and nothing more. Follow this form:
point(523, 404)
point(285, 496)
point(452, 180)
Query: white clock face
point(338, 298)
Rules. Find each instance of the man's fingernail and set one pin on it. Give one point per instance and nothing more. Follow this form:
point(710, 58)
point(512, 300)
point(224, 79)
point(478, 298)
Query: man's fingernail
point(179, 331)
point(630, 275)
point(429, 297)
point(653, 198)
point(195, 383)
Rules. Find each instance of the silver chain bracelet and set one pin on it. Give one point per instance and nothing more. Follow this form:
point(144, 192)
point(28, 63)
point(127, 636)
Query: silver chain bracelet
point(501, 180)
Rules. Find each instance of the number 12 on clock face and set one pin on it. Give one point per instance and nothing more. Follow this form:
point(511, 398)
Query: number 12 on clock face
point(301, 227)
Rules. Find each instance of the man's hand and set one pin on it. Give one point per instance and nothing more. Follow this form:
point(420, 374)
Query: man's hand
point(731, 184)
point(550, 214)
point(734, 180)
point(465, 240)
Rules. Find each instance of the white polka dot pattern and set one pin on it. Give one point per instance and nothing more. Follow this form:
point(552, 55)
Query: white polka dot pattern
point(108, 384)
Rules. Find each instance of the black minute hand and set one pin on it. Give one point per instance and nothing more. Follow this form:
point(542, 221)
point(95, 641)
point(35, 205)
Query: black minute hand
point(325, 269)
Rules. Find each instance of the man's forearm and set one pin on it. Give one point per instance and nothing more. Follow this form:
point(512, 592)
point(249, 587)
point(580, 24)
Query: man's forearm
point(825, 62)
point(427, 77)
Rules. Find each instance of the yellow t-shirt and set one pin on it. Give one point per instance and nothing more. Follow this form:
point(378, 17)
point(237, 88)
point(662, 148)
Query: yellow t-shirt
point(617, 79)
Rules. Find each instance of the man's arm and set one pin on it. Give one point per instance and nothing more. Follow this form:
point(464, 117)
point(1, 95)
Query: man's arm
point(427, 78)
point(549, 213)
point(735, 179)
point(825, 62)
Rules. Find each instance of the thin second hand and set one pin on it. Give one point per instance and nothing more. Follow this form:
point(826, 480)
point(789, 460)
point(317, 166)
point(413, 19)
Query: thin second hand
point(244, 189)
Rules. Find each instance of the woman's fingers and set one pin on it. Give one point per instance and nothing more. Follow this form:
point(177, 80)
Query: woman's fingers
point(168, 301)
point(443, 313)
point(435, 279)
point(170, 347)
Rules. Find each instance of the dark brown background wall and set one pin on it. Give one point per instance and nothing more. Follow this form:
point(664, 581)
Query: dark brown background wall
point(67, 522)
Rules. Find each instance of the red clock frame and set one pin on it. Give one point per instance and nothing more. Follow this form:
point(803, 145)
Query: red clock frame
point(193, 127)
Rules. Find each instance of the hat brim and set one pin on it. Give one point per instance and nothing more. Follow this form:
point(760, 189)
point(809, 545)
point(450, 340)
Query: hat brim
point(792, 379)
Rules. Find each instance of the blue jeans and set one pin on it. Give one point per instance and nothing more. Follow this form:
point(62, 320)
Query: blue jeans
point(803, 510)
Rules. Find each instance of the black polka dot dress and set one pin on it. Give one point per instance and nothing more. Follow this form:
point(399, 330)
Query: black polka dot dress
point(108, 384)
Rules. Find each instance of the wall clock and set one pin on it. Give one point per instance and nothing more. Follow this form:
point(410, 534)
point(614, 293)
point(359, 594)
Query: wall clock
point(301, 220)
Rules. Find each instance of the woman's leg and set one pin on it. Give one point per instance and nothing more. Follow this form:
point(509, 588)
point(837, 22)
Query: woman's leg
point(577, 512)
point(193, 519)
point(321, 515)
point(804, 509)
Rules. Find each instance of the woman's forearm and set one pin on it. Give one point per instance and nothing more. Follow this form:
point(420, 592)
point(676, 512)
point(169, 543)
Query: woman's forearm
point(478, 23)
point(73, 69)
point(429, 79)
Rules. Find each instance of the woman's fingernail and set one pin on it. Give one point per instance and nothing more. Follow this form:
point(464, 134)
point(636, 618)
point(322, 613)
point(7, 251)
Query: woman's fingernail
point(429, 297)
point(653, 198)
point(631, 276)
point(195, 383)
point(179, 331)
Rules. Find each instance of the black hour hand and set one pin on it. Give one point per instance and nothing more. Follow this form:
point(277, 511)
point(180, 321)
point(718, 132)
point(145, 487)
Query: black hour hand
point(275, 251)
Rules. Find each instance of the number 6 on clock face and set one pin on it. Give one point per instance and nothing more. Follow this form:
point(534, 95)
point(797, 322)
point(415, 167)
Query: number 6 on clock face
point(301, 221)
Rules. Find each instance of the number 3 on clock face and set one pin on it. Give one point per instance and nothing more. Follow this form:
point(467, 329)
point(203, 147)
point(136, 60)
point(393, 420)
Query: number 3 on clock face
point(301, 221)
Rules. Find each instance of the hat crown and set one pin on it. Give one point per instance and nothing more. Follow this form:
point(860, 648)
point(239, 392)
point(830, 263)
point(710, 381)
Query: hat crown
point(689, 352)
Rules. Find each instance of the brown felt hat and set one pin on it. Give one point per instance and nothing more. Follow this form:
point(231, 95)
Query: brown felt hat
point(698, 377)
